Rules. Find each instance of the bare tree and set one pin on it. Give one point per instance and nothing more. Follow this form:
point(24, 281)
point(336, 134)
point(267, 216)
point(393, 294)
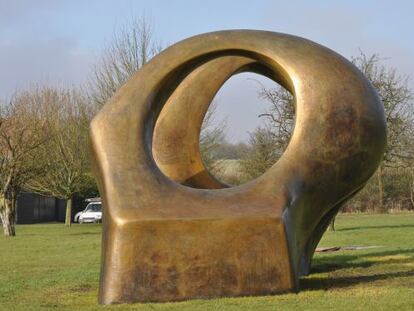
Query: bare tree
point(397, 98)
point(64, 157)
point(280, 116)
point(22, 132)
point(130, 48)
point(267, 143)
point(212, 137)
point(262, 154)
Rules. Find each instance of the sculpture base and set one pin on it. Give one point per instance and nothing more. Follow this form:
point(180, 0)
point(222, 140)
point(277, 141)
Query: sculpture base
point(179, 259)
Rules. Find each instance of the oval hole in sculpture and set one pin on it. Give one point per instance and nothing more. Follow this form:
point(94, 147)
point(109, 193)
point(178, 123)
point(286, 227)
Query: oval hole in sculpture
point(246, 128)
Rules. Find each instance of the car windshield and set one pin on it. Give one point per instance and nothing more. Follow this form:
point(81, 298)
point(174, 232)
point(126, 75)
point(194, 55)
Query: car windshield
point(94, 207)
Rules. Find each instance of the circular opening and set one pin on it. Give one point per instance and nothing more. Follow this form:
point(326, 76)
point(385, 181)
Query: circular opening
point(246, 128)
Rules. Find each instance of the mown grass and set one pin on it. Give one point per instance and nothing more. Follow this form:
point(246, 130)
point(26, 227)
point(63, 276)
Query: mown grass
point(51, 267)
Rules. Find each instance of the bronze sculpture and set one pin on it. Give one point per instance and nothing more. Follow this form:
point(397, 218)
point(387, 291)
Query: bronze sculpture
point(171, 230)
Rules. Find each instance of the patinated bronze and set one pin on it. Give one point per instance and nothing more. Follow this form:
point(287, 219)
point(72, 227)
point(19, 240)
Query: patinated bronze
point(171, 230)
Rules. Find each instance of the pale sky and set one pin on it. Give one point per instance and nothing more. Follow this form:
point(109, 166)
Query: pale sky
point(58, 41)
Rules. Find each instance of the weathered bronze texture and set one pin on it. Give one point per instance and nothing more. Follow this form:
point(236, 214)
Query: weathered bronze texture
point(171, 230)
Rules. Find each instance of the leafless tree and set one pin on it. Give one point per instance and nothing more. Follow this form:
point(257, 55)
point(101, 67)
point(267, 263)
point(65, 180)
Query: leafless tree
point(130, 48)
point(280, 116)
point(397, 98)
point(64, 157)
point(262, 154)
point(22, 132)
point(267, 143)
point(212, 137)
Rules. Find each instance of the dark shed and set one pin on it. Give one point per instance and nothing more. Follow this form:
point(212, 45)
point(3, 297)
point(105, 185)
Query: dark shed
point(34, 208)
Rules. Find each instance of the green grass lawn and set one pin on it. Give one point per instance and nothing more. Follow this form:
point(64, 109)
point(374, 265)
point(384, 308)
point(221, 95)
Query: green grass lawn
point(53, 267)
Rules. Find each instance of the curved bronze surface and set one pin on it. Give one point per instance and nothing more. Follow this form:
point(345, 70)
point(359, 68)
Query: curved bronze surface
point(164, 240)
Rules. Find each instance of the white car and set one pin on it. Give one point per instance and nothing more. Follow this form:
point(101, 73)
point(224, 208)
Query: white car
point(91, 214)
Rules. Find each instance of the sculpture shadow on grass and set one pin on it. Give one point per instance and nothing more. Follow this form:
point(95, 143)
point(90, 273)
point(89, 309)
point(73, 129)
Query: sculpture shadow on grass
point(375, 227)
point(348, 281)
point(337, 264)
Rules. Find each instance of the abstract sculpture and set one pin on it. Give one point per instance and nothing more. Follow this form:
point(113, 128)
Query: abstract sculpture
point(171, 230)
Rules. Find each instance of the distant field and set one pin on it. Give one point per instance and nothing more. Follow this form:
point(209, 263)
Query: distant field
point(51, 267)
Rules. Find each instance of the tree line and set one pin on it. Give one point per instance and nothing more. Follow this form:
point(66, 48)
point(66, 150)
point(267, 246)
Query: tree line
point(44, 142)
